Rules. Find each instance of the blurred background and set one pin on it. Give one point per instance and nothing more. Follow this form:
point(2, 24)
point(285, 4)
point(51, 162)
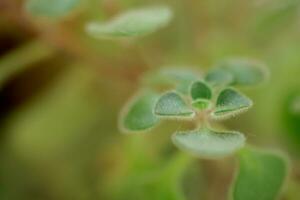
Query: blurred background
point(61, 92)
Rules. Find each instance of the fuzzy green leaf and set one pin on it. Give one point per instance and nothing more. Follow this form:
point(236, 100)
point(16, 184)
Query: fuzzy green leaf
point(132, 23)
point(171, 104)
point(219, 77)
point(261, 175)
point(209, 143)
point(244, 71)
point(51, 8)
point(200, 90)
point(201, 104)
point(138, 114)
point(229, 103)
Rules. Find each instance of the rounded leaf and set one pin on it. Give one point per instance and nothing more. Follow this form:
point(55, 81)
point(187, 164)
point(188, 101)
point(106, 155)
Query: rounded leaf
point(244, 71)
point(208, 143)
point(261, 175)
point(138, 114)
point(51, 8)
point(230, 103)
point(180, 77)
point(132, 23)
point(200, 90)
point(219, 77)
point(171, 104)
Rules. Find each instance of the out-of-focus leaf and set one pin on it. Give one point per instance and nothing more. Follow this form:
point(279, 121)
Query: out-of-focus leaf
point(290, 116)
point(295, 105)
point(132, 23)
point(230, 103)
point(138, 115)
point(23, 57)
point(171, 104)
point(219, 77)
point(181, 78)
point(158, 182)
point(200, 90)
point(245, 72)
point(261, 175)
point(51, 8)
point(206, 143)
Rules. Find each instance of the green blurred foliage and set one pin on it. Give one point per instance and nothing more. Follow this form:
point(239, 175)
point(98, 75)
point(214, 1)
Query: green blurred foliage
point(260, 175)
point(291, 118)
point(61, 93)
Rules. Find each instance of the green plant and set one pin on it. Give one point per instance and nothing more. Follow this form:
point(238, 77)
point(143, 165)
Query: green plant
point(203, 100)
point(190, 96)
